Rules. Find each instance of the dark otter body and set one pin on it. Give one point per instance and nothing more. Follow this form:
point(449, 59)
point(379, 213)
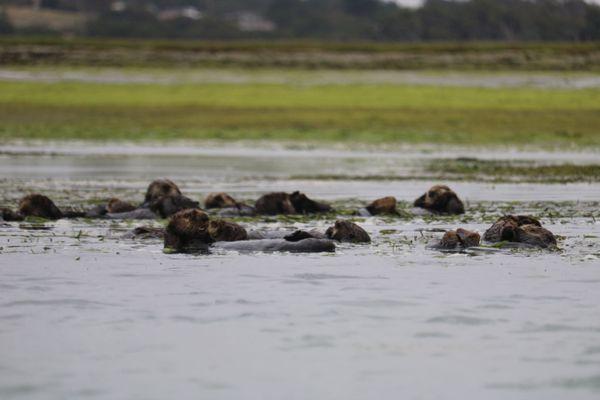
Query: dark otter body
point(225, 231)
point(385, 205)
point(534, 235)
point(520, 229)
point(275, 245)
point(505, 227)
point(459, 239)
point(116, 206)
point(219, 200)
point(165, 206)
point(283, 203)
point(346, 231)
point(441, 199)
point(9, 215)
point(160, 188)
point(187, 231)
point(275, 204)
point(301, 235)
point(37, 205)
point(303, 205)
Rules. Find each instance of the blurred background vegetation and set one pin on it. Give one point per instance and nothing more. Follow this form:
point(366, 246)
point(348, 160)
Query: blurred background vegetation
point(434, 20)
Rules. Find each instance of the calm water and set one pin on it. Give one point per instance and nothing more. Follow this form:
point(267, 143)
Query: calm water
point(87, 314)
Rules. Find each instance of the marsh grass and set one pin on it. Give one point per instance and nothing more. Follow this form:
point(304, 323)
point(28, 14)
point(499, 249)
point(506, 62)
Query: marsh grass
point(301, 54)
point(351, 113)
point(504, 170)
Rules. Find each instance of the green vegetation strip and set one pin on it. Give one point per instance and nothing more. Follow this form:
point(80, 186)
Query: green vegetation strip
point(301, 54)
point(350, 113)
point(502, 170)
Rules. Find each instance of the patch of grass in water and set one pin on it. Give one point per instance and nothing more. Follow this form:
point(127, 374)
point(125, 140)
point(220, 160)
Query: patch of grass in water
point(505, 170)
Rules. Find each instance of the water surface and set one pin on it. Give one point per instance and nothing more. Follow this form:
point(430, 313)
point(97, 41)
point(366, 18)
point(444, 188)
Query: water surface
point(85, 313)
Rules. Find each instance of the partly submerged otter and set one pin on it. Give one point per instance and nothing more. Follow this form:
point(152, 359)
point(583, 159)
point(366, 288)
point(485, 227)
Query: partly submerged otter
point(341, 231)
point(458, 240)
point(187, 231)
point(227, 205)
point(383, 206)
point(225, 231)
point(37, 205)
point(160, 188)
point(520, 229)
point(284, 203)
point(219, 200)
point(192, 231)
point(441, 199)
point(163, 199)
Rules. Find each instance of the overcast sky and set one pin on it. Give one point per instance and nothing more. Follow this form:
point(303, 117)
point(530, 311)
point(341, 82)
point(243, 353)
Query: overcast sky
point(417, 2)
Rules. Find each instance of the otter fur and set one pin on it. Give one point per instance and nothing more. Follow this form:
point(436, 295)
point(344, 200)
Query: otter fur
point(441, 199)
point(520, 229)
point(187, 231)
point(160, 188)
point(385, 205)
point(37, 205)
point(225, 231)
point(346, 231)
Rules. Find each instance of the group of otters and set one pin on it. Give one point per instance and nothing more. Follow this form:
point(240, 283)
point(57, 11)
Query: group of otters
point(191, 229)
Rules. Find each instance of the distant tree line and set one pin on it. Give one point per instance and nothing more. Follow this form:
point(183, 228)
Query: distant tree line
point(436, 20)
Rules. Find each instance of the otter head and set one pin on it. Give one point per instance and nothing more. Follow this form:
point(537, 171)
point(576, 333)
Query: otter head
point(166, 206)
point(187, 231)
point(274, 204)
point(6, 214)
point(304, 205)
point(450, 240)
point(116, 206)
point(219, 200)
point(225, 231)
point(37, 205)
point(161, 188)
point(385, 205)
point(346, 231)
point(442, 199)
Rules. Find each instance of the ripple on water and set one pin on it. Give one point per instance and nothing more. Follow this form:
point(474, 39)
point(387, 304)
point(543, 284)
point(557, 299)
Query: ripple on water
point(76, 303)
point(587, 382)
point(553, 328)
point(460, 320)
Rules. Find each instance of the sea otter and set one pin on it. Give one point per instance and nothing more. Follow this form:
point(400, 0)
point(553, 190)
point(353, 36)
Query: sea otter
point(225, 231)
point(520, 229)
point(274, 204)
point(385, 205)
point(284, 203)
point(346, 231)
point(219, 200)
point(458, 239)
point(441, 199)
point(190, 231)
point(187, 231)
point(227, 206)
point(303, 205)
point(165, 206)
point(160, 188)
point(8, 215)
point(37, 205)
point(115, 206)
